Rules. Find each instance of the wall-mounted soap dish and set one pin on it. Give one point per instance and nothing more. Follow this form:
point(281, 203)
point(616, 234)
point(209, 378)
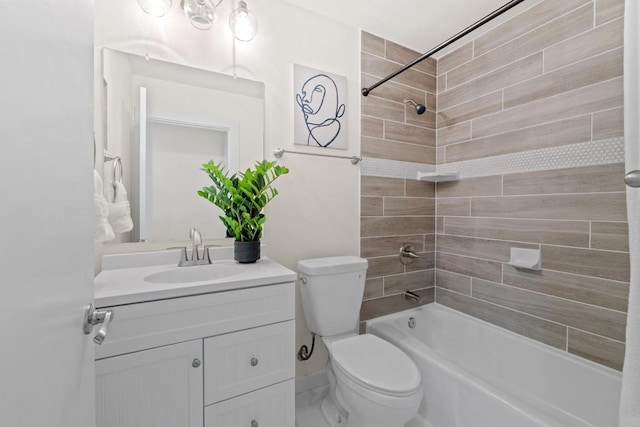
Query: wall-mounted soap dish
point(525, 259)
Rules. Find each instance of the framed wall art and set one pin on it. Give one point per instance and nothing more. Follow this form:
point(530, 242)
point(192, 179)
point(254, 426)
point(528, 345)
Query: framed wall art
point(320, 108)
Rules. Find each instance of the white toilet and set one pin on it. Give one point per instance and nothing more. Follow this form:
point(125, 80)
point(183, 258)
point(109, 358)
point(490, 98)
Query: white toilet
point(372, 382)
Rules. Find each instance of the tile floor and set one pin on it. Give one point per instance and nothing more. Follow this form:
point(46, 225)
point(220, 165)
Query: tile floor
point(308, 407)
point(308, 412)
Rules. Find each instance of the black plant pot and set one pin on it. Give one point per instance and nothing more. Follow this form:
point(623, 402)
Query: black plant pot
point(246, 252)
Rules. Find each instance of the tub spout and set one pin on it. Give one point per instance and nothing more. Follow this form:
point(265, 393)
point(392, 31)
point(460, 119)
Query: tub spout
point(412, 296)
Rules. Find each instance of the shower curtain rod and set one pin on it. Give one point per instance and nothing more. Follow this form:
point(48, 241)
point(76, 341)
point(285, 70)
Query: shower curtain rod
point(478, 24)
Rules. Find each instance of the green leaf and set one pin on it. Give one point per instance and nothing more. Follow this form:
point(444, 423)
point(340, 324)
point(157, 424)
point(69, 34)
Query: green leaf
point(242, 197)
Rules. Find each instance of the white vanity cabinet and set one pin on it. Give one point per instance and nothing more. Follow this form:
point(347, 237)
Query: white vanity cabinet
point(223, 359)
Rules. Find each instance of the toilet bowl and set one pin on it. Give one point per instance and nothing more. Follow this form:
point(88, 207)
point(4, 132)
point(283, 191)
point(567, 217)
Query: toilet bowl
point(372, 383)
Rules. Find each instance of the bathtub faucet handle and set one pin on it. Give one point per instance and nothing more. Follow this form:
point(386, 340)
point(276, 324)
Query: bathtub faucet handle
point(407, 254)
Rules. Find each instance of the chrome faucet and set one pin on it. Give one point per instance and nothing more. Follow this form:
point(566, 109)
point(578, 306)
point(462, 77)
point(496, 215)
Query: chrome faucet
point(196, 242)
point(412, 296)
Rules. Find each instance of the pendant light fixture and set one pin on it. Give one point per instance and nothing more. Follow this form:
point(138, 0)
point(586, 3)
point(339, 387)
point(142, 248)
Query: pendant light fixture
point(155, 7)
point(243, 23)
point(202, 15)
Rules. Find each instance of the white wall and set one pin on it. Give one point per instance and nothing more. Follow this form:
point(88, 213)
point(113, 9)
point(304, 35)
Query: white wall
point(317, 211)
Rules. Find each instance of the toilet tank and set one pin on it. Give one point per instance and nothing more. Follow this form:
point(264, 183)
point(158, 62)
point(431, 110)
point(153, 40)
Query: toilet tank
point(331, 290)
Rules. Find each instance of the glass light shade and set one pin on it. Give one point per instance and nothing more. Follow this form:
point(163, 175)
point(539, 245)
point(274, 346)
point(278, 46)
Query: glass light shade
point(201, 13)
point(155, 7)
point(243, 23)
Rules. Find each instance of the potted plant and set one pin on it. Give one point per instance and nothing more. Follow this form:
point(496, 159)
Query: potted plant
point(242, 197)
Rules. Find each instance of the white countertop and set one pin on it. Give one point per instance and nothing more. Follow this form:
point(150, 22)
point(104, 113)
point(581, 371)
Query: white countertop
point(123, 281)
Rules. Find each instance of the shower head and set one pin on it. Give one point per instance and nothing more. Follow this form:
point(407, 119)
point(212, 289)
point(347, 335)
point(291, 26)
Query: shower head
point(420, 108)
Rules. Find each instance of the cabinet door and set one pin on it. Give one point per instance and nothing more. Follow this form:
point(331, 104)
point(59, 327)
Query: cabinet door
point(161, 387)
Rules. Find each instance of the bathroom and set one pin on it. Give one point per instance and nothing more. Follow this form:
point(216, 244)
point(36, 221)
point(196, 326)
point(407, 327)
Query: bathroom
point(339, 213)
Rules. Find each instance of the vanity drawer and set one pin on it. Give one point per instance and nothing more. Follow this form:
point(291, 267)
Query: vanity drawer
point(243, 361)
point(269, 407)
point(146, 325)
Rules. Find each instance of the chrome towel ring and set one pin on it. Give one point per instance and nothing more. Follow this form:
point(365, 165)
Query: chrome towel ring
point(117, 169)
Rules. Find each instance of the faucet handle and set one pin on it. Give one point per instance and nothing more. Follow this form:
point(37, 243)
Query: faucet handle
point(407, 255)
point(183, 253)
point(205, 253)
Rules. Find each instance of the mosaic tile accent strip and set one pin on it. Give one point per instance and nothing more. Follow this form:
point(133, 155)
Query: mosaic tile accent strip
point(567, 156)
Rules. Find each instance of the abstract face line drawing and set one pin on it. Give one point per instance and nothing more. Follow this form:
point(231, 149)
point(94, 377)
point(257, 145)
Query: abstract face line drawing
point(320, 105)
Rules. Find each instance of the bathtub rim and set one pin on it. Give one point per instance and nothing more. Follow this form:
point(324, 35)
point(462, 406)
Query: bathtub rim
point(388, 318)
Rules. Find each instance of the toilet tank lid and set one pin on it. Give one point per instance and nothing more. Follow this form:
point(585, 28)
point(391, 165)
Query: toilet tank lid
point(332, 265)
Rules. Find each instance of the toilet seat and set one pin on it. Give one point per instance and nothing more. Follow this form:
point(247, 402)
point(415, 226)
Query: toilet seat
point(376, 365)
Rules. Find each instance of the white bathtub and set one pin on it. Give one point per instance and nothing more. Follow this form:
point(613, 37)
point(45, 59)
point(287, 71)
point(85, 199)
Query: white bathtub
point(475, 374)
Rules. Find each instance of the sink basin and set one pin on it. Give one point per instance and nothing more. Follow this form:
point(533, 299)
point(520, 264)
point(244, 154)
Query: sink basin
point(199, 273)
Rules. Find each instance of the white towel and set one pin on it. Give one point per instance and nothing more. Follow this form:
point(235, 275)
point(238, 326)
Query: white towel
point(102, 231)
point(630, 394)
point(120, 210)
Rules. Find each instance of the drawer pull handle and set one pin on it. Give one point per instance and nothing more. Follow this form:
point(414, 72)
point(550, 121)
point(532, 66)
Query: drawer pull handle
point(254, 362)
point(196, 363)
point(254, 423)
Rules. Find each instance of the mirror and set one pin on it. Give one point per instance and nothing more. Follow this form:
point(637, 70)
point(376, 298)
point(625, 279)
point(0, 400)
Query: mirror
point(164, 120)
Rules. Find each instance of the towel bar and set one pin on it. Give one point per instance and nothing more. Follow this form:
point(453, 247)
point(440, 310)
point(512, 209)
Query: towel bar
point(278, 152)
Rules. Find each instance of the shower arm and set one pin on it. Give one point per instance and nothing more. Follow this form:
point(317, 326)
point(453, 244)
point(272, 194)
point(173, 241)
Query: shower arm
point(478, 24)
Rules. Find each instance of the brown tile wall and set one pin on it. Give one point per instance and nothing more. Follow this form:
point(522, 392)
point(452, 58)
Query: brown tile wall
point(551, 76)
point(397, 211)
